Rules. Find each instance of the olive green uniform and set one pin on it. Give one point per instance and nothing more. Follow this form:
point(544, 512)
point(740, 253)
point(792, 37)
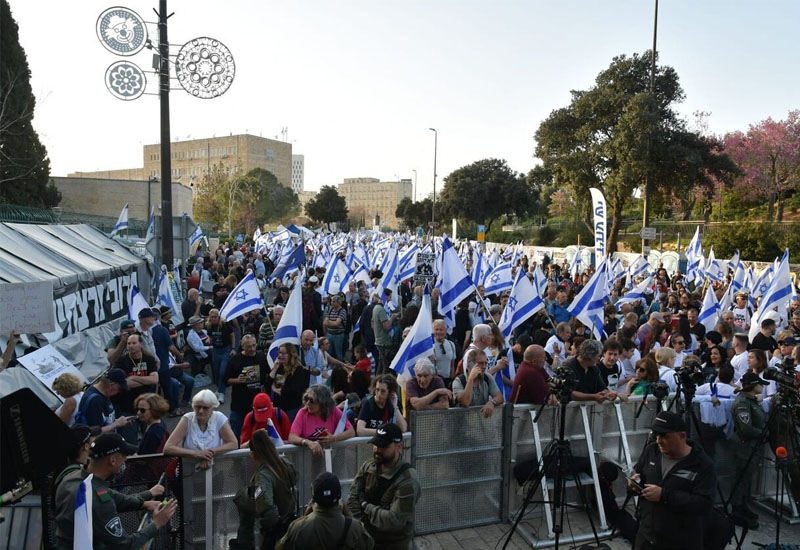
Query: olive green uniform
point(269, 500)
point(389, 512)
point(323, 528)
point(748, 420)
point(106, 506)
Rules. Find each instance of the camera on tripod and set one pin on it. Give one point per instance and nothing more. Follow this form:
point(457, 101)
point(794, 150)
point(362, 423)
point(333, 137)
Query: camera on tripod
point(784, 375)
point(659, 390)
point(562, 384)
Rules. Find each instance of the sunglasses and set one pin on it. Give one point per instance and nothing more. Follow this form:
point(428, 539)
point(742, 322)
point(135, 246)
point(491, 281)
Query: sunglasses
point(309, 399)
point(141, 410)
point(679, 342)
point(640, 369)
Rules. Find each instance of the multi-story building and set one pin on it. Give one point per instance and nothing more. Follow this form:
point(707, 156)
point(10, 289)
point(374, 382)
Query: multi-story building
point(298, 170)
point(368, 197)
point(192, 159)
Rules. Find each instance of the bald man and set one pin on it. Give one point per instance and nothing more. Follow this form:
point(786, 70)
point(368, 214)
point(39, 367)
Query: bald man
point(530, 382)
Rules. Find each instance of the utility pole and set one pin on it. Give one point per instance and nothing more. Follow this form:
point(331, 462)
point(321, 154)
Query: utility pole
point(166, 149)
point(647, 182)
point(435, 148)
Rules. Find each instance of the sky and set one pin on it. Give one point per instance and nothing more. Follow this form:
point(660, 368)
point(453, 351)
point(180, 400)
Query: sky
point(359, 83)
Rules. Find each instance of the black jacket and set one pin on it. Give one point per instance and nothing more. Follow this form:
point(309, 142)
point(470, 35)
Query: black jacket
point(687, 495)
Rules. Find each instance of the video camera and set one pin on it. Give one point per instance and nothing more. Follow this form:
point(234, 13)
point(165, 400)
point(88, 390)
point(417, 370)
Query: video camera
point(785, 374)
point(562, 384)
point(659, 390)
point(691, 375)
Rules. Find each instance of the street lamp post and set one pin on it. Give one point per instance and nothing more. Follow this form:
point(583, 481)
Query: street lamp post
point(647, 182)
point(415, 185)
point(435, 148)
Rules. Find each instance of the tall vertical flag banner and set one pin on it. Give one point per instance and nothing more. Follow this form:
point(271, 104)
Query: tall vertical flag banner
point(245, 297)
point(588, 305)
point(710, 311)
point(151, 226)
point(418, 343)
point(82, 533)
point(122, 221)
point(776, 298)
point(291, 326)
point(599, 209)
point(455, 283)
point(523, 302)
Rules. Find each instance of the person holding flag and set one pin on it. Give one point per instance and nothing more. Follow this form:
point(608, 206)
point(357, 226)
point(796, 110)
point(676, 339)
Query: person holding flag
point(87, 509)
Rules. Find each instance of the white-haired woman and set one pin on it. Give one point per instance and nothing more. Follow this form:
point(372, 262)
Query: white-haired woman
point(426, 390)
point(202, 433)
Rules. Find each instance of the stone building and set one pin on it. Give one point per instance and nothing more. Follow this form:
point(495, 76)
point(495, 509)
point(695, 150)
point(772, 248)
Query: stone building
point(368, 197)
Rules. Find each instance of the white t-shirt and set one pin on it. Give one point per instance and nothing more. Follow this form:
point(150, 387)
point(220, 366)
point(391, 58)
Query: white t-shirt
point(199, 440)
point(741, 319)
point(667, 375)
point(739, 364)
point(562, 347)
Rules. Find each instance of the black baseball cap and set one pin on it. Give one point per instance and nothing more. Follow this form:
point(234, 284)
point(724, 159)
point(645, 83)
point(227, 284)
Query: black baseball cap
point(146, 312)
point(326, 489)
point(82, 433)
point(667, 422)
point(118, 376)
point(110, 443)
point(751, 379)
point(126, 324)
point(386, 435)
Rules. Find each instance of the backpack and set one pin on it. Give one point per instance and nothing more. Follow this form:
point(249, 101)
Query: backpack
point(80, 416)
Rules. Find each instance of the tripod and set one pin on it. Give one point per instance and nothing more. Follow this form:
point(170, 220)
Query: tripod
point(559, 454)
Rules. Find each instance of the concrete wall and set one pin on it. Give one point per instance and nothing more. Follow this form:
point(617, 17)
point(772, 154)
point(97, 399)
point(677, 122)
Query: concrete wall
point(106, 197)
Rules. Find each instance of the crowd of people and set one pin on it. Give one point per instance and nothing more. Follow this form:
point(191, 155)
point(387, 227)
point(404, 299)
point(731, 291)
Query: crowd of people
point(337, 382)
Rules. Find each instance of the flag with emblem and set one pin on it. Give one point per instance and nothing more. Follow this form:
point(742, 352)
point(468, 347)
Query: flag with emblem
point(290, 327)
point(82, 522)
point(245, 297)
point(418, 343)
point(498, 279)
point(523, 302)
point(710, 311)
point(122, 221)
point(336, 278)
point(588, 305)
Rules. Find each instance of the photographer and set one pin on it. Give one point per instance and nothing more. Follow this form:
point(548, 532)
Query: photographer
point(676, 482)
point(749, 420)
point(589, 384)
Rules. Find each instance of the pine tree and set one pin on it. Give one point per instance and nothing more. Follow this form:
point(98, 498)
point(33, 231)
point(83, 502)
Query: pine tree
point(24, 166)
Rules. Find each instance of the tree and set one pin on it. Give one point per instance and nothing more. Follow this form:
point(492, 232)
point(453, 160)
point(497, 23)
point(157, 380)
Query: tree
point(415, 214)
point(769, 158)
point(615, 134)
point(327, 206)
point(263, 199)
point(211, 199)
point(24, 166)
point(484, 191)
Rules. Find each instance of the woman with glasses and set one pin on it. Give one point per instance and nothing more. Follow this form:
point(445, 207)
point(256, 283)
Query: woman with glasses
point(677, 342)
point(202, 433)
point(645, 372)
point(288, 380)
point(150, 409)
point(381, 408)
point(315, 424)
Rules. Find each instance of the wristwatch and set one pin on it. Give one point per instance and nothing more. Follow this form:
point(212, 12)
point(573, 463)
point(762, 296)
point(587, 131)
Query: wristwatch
point(493, 402)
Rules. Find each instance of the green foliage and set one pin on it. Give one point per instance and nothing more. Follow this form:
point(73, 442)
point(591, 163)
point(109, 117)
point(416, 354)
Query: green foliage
point(416, 214)
point(484, 191)
point(615, 134)
point(24, 166)
point(757, 241)
point(327, 206)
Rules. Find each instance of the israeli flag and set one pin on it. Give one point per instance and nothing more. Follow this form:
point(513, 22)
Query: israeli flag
point(509, 372)
point(713, 269)
point(477, 268)
point(455, 282)
point(289, 262)
point(735, 262)
point(82, 533)
point(361, 274)
point(523, 302)
point(196, 236)
point(499, 279)
point(710, 311)
point(291, 326)
point(273, 434)
point(637, 293)
point(588, 305)
point(737, 284)
point(762, 282)
point(151, 226)
point(539, 281)
point(418, 343)
point(245, 297)
point(336, 278)
point(694, 258)
point(136, 303)
point(576, 268)
point(122, 221)
point(638, 268)
point(390, 270)
point(408, 263)
point(341, 426)
point(777, 296)
point(165, 297)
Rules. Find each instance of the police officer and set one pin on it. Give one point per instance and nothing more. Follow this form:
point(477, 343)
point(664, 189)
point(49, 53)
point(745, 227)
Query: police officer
point(106, 457)
point(385, 491)
point(326, 521)
point(748, 422)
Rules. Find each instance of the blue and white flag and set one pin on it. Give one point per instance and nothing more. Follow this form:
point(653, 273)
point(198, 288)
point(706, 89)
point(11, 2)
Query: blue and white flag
point(196, 236)
point(509, 372)
point(776, 298)
point(389, 280)
point(455, 282)
point(635, 294)
point(737, 284)
point(477, 268)
point(523, 302)
point(82, 533)
point(638, 268)
point(336, 278)
point(136, 303)
point(408, 263)
point(710, 311)
point(166, 298)
point(361, 274)
point(762, 282)
point(341, 426)
point(273, 434)
point(291, 325)
point(122, 221)
point(588, 304)
point(713, 269)
point(245, 297)
point(418, 343)
point(694, 258)
point(576, 267)
point(289, 262)
point(735, 262)
point(498, 279)
point(151, 226)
